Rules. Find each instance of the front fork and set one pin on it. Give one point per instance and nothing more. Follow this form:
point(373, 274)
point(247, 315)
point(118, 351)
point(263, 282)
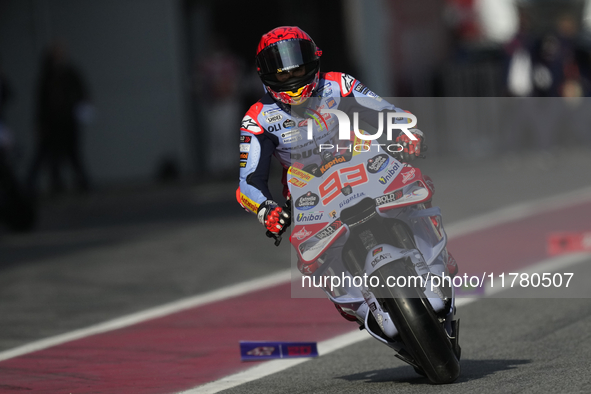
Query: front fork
point(375, 241)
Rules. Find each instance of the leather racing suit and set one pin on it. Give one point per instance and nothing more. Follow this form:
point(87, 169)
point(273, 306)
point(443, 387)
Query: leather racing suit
point(271, 128)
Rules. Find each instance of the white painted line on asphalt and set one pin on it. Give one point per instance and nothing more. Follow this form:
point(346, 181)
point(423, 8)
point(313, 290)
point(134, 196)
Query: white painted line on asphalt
point(152, 313)
point(517, 212)
point(553, 264)
point(271, 367)
point(454, 230)
point(325, 347)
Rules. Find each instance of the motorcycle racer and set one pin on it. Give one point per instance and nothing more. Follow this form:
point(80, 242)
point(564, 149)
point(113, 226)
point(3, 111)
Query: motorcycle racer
point(288, 63)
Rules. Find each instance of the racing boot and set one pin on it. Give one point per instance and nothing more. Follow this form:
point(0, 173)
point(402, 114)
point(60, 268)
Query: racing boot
point(347, 316)
point(452, 265)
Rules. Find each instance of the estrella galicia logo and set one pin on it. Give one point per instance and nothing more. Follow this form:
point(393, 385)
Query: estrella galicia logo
point(390, 174)
point(377, 163)
point(310, 217)
point(307, 201)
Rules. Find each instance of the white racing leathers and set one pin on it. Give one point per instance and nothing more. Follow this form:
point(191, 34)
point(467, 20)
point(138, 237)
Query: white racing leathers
point(271, 128)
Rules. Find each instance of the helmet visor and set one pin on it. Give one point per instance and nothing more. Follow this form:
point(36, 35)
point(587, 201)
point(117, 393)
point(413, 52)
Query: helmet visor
point(298, 77)
point(286, 55)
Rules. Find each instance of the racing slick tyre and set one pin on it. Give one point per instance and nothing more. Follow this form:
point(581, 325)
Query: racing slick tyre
point(421, 331)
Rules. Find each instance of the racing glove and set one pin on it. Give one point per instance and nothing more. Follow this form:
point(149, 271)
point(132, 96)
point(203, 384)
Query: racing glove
point(275, 218)
point(411, 149)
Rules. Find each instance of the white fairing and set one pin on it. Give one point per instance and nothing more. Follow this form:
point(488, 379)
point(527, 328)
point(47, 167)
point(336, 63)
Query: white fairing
point(384, 254)
point(382, 317)
point(325, 246)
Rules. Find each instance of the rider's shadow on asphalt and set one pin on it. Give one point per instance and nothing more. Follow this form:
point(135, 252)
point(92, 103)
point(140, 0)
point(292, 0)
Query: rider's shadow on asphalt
point(471, 370)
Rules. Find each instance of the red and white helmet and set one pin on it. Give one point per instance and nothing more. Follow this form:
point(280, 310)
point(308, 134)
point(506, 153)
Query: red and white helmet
point(289, 50)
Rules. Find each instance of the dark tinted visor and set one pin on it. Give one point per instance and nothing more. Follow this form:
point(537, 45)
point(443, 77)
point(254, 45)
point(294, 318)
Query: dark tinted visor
point(285, 55)
point(294, 82)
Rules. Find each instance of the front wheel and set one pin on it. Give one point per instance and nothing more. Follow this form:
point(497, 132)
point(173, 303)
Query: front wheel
point(420, 330)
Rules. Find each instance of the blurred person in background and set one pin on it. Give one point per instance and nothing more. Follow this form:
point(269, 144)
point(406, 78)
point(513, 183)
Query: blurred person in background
point(575, 80)
point(461, 18)
point(551, 63)
point(555, 68)
point(518, 59)
point(288, 63)
point(218, 84)
point(62, 105)
point(6, 140)
point(17, 210)
point(5, 95)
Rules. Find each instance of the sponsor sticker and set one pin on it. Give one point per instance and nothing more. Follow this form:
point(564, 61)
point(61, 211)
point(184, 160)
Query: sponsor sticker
point(375, 96)
point(289, 123)
point(361, 88)
point(245, 139)
point(325, 91)
point(380, 257)
point(271, 111)
point(407, 176)
point(307, 201)
point(392, 172)
point(302, 234)
point(388, 198)
point(377, 250)
point(244, 147)
point(248, 203)
point(377, 163)
point(243, 156)
point(274, 118)
point(298, 183)
point(347, 83)
point(290, 140)
point(290, 133)
point(329, 230)
point(250, 125)
point(264, 350)
point(310, 216)
point(300, 174)
point(335, 161)
point(349, 199)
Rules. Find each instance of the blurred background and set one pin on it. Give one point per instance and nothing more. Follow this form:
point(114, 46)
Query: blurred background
point(119, 123)
point(157, 88)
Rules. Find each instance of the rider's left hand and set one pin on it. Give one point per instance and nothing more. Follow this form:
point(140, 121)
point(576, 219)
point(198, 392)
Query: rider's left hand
point(411, 149)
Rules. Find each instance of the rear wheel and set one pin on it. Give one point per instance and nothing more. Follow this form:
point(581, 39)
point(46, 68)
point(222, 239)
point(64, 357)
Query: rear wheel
point(420, 329)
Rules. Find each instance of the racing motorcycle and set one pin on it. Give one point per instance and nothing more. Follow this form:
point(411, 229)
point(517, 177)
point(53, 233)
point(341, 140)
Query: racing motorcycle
point(365, 218)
